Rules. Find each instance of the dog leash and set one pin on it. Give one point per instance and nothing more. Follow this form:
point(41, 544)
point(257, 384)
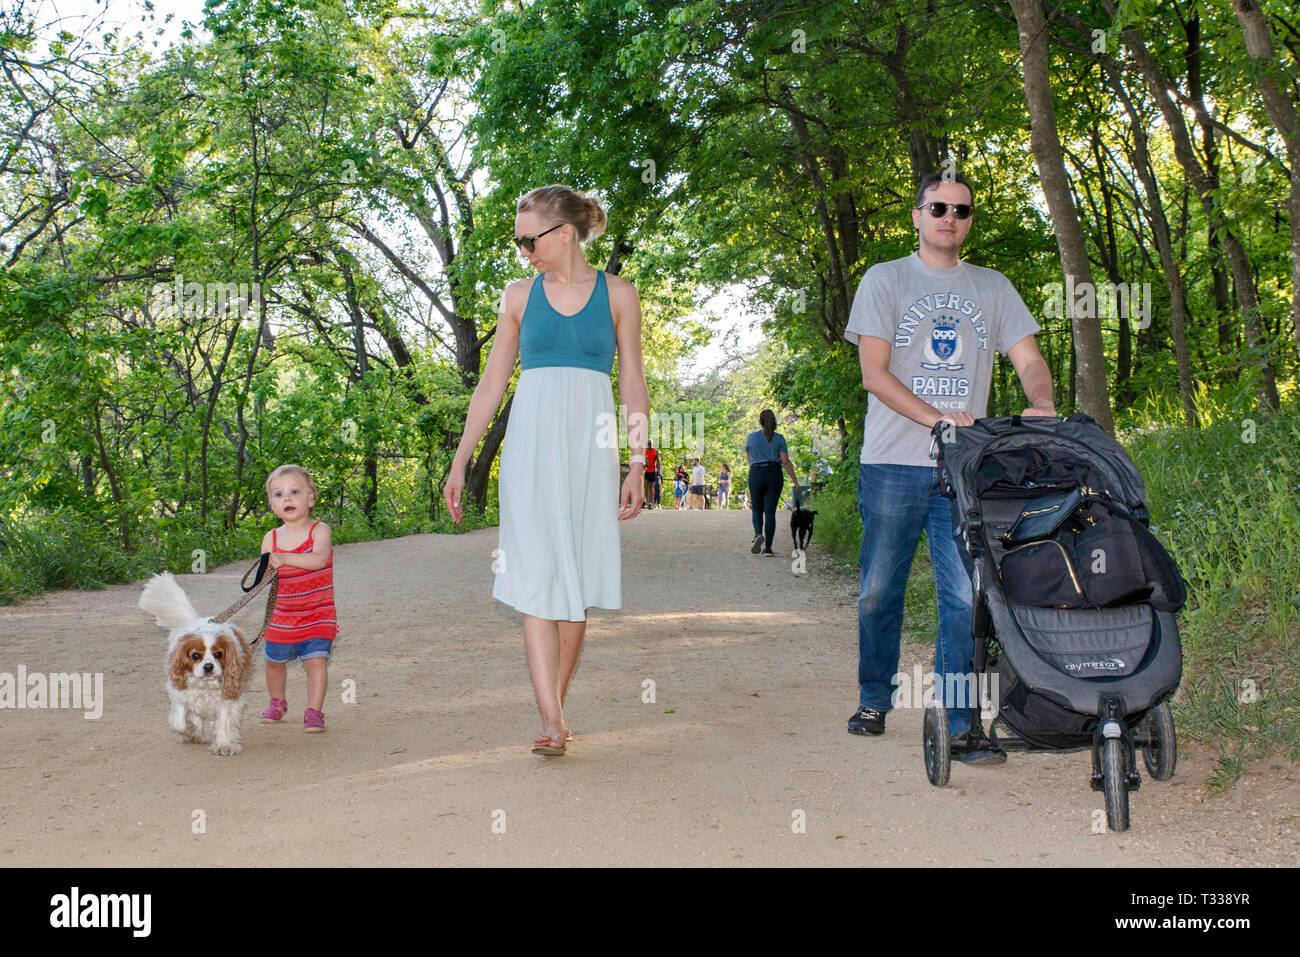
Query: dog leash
point(260, 582)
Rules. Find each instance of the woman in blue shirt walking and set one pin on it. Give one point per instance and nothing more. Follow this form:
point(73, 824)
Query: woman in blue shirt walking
point(766, 453)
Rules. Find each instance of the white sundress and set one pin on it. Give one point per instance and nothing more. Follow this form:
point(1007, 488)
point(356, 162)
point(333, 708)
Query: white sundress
point(558, 537)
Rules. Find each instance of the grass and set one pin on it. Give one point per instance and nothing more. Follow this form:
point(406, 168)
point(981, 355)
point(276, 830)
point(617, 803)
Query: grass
point(839, 531)
point(62, 548)
point(58, 550)
point(1225, 500)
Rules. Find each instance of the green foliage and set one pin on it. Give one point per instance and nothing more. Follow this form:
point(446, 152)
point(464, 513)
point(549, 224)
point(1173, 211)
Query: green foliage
point(838, 529)
point(770, 148)
point(42, 551)
point(1225, 500)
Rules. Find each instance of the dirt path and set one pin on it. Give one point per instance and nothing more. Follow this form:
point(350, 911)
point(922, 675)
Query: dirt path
point(754, 673)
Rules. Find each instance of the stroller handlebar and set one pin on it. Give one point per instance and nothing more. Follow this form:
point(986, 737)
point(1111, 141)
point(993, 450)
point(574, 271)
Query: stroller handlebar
point(943, 430)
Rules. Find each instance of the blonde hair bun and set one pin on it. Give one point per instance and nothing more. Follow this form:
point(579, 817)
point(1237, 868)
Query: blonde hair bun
point(583, 211)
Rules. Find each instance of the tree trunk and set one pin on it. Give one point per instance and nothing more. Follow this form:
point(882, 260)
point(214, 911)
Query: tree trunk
point(1206, 187)
point(840, 293)
point(1210, 148)
point(1141, 161)
point(1271, 84)
point(1046, 144)
point(1073, 377)
point(480, 470)
point(1108, 252)
point(1173, 278)
point(370, 492)
point(115, 486)
point(922, 150)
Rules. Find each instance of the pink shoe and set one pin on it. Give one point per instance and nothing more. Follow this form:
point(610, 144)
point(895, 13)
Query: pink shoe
point(313, 720)
point(275, 712)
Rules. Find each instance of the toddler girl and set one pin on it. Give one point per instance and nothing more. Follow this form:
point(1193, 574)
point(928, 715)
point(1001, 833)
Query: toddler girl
point(304, 622)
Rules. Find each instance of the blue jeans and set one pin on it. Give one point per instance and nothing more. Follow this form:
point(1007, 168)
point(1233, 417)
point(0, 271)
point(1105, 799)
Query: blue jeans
point(280, 652)
point(765, 482)
point(896, 502)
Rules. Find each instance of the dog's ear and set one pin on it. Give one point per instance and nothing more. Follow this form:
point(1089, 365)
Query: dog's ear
point(245, 652)
point(236, 665)
point(178, 668)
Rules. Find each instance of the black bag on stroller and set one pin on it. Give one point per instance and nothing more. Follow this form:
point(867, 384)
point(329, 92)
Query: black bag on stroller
point(1074, 597)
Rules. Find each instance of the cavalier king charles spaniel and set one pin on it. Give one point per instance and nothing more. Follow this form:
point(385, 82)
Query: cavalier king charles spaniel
point(208, 664)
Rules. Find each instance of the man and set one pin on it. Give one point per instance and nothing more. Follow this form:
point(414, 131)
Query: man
point(697, 485)
point(926, 326)
point(651, 475)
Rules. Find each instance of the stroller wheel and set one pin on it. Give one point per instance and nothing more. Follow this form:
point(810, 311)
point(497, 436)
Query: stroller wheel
point(937, 744)
point(1115, 784)
point(1160, 753)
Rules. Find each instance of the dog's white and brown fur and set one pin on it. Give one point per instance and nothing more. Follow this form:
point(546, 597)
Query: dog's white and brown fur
point(208, 664)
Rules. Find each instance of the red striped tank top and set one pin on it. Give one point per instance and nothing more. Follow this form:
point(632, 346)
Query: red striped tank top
point(304, 603)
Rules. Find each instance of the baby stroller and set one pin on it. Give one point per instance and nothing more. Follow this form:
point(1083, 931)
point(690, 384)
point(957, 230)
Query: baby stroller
point(1074, 600)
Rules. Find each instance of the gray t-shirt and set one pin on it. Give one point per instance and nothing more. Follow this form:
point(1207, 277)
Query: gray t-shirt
point(941, 323)
point(763, 449)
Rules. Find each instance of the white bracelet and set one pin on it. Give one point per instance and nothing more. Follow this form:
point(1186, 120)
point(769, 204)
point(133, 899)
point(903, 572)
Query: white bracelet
point(636, 458)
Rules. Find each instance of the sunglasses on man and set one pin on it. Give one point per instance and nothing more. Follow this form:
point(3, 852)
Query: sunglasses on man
point(530, 242)
point(939, 210)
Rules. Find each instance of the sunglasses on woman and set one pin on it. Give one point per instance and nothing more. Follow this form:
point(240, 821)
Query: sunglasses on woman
point(530, 242)
point(939, 210)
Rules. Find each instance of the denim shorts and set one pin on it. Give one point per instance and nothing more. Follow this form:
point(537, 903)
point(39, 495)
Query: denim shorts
point(311, 648)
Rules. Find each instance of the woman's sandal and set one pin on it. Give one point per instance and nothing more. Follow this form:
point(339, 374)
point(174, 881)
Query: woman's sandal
point(541, 738)
point(550, 747)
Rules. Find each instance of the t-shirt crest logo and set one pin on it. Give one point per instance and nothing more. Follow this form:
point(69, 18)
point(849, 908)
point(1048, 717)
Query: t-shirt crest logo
point(944, 347)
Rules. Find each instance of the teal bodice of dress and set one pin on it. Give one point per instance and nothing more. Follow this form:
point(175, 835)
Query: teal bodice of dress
point(550, 338)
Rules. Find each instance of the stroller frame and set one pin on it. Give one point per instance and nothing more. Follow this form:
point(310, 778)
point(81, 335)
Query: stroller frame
point(1118, 730)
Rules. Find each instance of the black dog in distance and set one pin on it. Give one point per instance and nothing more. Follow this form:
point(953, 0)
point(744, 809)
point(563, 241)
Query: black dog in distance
point(801, 527)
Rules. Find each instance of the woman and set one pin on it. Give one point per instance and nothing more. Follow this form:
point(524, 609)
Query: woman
point(558, 538)
point(766, 453)
point(724, 486)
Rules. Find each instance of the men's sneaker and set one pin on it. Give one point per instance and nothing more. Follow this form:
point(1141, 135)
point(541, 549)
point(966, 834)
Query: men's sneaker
point(758, 544)
point(867, 721)
point(768, 553)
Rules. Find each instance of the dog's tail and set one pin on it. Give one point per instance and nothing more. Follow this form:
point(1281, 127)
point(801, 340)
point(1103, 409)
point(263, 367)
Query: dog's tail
point(164, 600)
